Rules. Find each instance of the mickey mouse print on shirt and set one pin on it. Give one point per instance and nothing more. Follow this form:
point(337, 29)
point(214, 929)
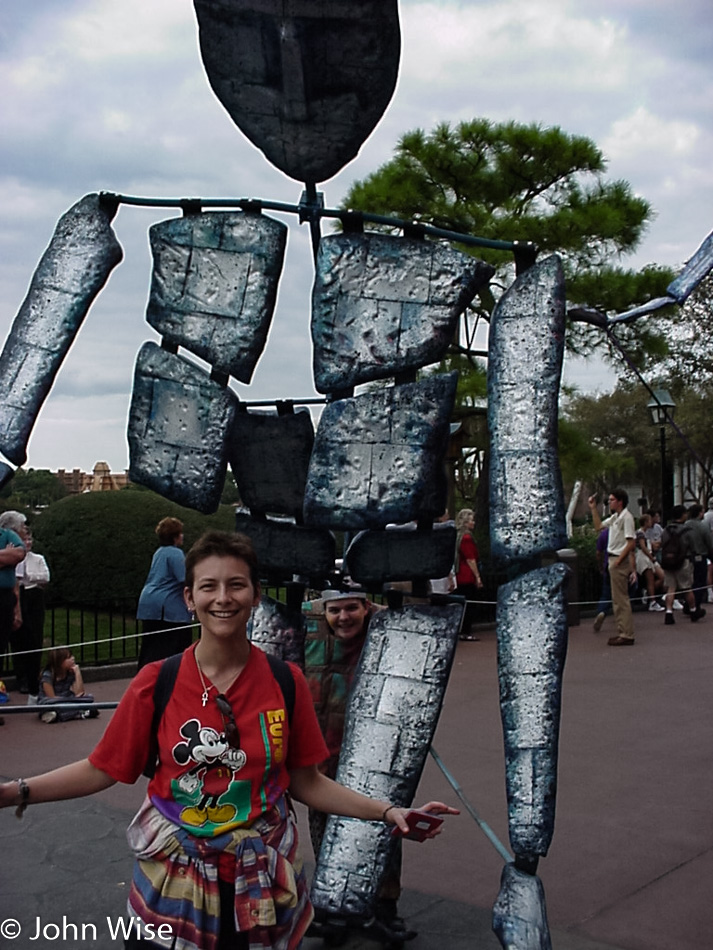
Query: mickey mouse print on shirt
point(209, 791)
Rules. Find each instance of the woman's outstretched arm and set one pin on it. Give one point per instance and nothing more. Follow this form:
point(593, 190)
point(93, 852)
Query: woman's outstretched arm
point(309, 786)
point(70, 781)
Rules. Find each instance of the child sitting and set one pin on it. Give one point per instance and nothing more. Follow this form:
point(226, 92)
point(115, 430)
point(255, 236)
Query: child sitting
point(61, 682)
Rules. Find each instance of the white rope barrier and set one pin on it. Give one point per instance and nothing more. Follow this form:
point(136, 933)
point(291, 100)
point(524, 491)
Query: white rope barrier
point(481, 603)
point(91, 643)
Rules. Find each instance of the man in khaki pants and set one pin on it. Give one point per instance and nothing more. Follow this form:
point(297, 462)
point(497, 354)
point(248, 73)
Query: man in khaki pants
point(620, 550)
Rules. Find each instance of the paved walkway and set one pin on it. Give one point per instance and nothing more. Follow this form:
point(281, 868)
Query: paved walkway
point(632, 858)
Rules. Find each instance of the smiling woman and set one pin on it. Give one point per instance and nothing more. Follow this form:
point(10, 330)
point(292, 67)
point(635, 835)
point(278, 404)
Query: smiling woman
point(230, 746)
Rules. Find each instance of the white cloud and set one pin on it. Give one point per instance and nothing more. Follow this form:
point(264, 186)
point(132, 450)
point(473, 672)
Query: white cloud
point(643, 132)
point(106, 32)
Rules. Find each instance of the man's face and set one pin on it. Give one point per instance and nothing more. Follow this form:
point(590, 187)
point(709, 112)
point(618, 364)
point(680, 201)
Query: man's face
point(615, 505)
point(346, 617)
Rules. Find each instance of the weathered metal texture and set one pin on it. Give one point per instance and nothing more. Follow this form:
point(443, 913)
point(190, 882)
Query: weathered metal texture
point(382, 305)
point(178, 422)
point(532, 645)
point(400, 554)
point(696, 269)
point(305, 80)
point(378, 458)
point(392, 714)
point(278, 630)
point(284, 548)
point(73, 269)
point(520, 912)
point(269, 455)
point(214, 285)
point(525, 363)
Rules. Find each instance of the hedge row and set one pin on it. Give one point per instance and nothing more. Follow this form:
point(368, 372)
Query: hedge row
point(99, 545)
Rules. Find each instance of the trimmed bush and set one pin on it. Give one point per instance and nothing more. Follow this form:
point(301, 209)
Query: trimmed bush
point(99, 545)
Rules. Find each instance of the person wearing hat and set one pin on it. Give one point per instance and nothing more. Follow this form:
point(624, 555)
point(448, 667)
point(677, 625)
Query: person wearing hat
point(337, 627)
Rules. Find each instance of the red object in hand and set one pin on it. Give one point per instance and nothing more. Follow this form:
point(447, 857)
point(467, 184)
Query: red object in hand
point(421, 825)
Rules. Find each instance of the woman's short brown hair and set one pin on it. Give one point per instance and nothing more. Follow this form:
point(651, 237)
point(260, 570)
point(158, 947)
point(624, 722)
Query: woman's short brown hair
point(168, 529)
point(222, 544)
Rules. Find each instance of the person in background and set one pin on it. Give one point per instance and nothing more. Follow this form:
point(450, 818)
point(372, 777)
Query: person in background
point(604, 606)
point(62, 682)
point(443, 585)
point(654, 533)
point(708, 520)
point(679, 577)
point(620, 554)
point(647, 567)
point(701, 541)
point(708, 516)
point(468, 579)
point(12, 552)
point(166, 621)
point(33, 575)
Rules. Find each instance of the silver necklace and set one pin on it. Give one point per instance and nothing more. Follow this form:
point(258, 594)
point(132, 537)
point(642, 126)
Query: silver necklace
point(206, 689)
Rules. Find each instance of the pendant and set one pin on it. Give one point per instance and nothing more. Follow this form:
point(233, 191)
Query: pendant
point(204, 697)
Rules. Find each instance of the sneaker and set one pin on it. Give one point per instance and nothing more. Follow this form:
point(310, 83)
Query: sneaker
point(599, 620)
point(392, 933)
point(388, 926)
point(697, 614)
point(668, 619)
point(90, 713)
point(656, 606)
point(677, 605)
point(49, 716)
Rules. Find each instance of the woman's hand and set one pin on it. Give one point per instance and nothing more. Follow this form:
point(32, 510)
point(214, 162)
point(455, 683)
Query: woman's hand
point(397, 816)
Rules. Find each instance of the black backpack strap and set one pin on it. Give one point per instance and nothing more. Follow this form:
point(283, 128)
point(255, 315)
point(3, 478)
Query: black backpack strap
point(165, 681)
point(286, 681)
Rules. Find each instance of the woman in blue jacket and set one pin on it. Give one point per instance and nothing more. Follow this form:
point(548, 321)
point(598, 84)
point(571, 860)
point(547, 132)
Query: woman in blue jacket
point(166, 622)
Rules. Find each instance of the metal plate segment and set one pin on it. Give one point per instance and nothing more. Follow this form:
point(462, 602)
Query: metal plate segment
point(378, 457)
point(71, 272)
point(214, 285)
point(179, 419)
point(532, 645)
point(393, 710)
point(526, 352)
point(382, 305)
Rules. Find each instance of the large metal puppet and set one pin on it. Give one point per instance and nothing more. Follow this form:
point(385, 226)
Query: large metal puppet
point(306, 81)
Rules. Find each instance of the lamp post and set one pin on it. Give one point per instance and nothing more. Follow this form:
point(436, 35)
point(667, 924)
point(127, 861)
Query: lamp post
point(662, 408)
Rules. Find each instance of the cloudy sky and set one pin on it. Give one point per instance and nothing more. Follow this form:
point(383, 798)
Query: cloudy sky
point(100, 95)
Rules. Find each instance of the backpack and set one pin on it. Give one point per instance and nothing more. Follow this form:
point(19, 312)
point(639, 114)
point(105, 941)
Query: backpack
point(166, 680)
point(674, 549)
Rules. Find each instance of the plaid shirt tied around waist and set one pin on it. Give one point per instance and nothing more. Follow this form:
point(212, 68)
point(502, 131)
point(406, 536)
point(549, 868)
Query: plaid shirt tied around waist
point(176, 881)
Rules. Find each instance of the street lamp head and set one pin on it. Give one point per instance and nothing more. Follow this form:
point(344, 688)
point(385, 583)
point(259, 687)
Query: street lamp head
point(661, 407)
